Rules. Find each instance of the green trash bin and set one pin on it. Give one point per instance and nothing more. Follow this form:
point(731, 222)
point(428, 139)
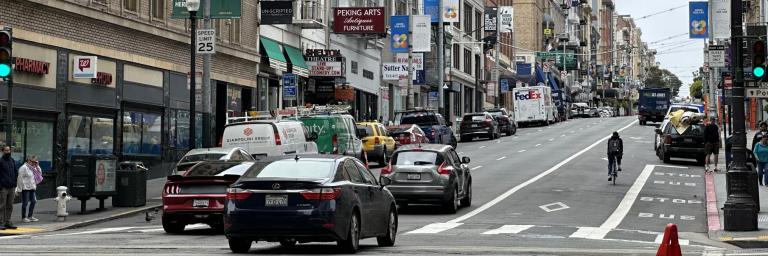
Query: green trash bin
point(131, 185)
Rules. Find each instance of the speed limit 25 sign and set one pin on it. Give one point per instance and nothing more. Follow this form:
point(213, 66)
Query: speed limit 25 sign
point(206, 41)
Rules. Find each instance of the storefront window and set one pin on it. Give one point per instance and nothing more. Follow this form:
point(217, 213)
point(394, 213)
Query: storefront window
point(103, 130)
point(234, 101)
point(141, 133)
point(39, 142)
point(17, 149)
point(78, 135)
point(261, 93)
point(275, 93)
point(181, 139)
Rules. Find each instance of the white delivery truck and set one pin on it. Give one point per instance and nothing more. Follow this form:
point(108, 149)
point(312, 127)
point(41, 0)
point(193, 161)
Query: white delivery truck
point(533, 105)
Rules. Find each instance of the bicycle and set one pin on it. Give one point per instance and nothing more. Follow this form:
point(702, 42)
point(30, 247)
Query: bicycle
point(614, 169)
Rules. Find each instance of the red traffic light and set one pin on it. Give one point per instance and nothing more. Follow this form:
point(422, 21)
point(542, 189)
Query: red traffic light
point(5, 39)
point(758, 53)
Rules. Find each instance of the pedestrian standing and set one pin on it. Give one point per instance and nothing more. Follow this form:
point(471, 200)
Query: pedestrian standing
point(762, 132)
point(711, 143)
point(7, 188)
point(761, 154)
point(29, 176)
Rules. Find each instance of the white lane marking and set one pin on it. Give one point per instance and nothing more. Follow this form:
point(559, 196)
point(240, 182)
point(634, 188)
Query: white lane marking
point(660, 237)
point(626, 203)
point(481, 147)
point(476, 167)
point(605, 158)
point(461, 153)
point(563, 135)
point(435, 228)
point(500, 158)
point(95, 231)
point(553, 207)
point(552, 139)
point(672, 166)
point(156, 229)
point(498, 141)
point(537, 145)
point(586, 232)
point(521, 151)
point(513, 190)
point(539, 130)
point(508, 229)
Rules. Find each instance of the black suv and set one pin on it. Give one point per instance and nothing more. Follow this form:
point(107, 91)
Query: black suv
point(688, 144)
point(506, 120)
point(432, 123)
point(480, 124)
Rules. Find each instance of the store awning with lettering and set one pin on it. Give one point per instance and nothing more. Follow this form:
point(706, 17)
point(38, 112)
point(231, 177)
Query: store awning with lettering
point(275, 54)
point(300, 67)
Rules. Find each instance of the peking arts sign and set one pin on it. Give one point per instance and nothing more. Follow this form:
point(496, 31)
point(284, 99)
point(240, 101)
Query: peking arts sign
point(359, 20)
point(325, 62)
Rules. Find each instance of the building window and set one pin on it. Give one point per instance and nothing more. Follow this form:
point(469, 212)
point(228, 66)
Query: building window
point(179, 129)
point(467, 61)
point(477, 68)
point(479, 24)
point(457, 103)
point(142, 132)
point(354, 67)
point(401, 7)
point(234, 34)
point(217, 27)
point(158, 9)
point(131, 5)
point(456, 57)
point(467, 18)
point(368, 74)
point(31, 138)
point(90, 135)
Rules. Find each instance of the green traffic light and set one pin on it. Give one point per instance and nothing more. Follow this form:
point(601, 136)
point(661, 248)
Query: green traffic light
point(758, 71)
point(5, 70)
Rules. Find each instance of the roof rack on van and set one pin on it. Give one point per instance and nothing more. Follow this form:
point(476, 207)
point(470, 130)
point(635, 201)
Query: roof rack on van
point(323, 109)
point(250, 116)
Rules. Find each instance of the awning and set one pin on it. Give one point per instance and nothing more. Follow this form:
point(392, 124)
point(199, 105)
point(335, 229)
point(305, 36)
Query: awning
point(275, 54)
point(553, 83)
point(300, 67)
point(539, 78)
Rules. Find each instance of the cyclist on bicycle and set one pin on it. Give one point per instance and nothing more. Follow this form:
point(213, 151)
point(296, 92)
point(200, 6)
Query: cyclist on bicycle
point(615, 151)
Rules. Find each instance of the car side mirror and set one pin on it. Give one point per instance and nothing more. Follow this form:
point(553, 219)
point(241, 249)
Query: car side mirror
point(385, 181)
point(658, 131)
point(465, 160)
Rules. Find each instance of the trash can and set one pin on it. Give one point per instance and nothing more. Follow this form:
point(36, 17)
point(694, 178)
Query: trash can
point(131, 185)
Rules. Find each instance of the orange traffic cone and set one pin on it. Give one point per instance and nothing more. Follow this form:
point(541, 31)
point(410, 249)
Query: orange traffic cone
point(669, 244)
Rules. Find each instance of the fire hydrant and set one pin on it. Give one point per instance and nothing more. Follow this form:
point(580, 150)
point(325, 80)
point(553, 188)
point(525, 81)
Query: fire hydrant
point(61, 198)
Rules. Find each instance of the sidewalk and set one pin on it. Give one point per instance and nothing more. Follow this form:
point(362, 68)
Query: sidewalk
point(716, 196)
point(45, 210)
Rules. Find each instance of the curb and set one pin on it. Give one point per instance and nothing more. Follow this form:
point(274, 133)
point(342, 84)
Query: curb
point(713, 215)
point(91, 221)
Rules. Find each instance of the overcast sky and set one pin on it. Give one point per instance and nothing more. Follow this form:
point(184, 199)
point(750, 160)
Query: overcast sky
point(679, 55)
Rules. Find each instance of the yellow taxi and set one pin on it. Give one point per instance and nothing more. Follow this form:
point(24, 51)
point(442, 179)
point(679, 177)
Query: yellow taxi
point(377, 143)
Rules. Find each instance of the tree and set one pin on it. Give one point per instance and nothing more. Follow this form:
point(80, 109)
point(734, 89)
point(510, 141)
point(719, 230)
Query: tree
point(659, 77)
point(695, 89)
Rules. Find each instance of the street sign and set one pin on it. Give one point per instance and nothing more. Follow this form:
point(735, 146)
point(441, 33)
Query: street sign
point(206, 41)
point(289, 86)
point(757, 92)
point(548, 31)
point(504, 83)
point(717, 55)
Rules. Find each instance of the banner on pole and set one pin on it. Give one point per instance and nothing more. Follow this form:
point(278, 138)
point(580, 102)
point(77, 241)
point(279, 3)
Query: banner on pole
point(450, 11)
point(698, 24)
point(421, 38)
point(399, 39)
point(490, 18)
point(432, 8)
point(721, 18)
point(507, 19)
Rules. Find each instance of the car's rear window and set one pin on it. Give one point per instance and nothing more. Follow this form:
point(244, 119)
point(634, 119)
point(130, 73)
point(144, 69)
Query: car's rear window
point(496, 113)
point(367, 128)
point(302, 169)
point(202, 157)
point(419, 119)
point(218, 169)
point(693, 130)
point(417, 158)
point(475, 118)
point(686, 109)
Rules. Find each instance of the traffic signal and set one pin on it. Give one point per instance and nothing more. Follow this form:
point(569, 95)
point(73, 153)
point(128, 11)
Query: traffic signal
point(6, 53)
point(758, 60)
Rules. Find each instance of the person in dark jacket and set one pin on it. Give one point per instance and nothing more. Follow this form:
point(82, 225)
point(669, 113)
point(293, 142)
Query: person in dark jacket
point(711, 143)
point(762, 132)
point(8, 177)
point(615, 152)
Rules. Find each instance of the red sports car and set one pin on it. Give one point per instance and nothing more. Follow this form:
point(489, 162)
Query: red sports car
point(198, 194)
point(407, 134)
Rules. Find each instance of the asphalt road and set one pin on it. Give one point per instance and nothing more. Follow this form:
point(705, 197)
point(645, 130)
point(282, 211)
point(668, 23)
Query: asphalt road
point(543, 191)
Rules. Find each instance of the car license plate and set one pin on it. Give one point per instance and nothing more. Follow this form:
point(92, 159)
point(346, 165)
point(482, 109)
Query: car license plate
point(200, 203)
point(276, 200)
point(474, 125)
point(688, 140)
point(414, 176)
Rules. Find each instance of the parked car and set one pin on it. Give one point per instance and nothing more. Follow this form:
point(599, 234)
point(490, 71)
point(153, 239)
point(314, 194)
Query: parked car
point(479, 125)
point(593, 112)
point(580, 109)
point(315, 198)
point(376, 142)
point(689, 144)
point(506, 120)
point(197, 195)
point(198, 155)
point(407, 134)
point(336, 134)
point(264, 138)
point(430, 173)
point(432, 123)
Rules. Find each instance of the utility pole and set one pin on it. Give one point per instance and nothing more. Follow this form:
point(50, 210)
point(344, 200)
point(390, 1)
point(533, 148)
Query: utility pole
point(740, 208)
point(206, 90)
point(441, 64)
point(410, 102)
point(496, 61)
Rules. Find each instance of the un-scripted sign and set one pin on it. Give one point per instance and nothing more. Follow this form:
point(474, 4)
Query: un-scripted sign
point(206, 41)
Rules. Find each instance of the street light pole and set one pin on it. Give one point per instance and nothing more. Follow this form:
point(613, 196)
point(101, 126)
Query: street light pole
point(192, 7)
point(441, 65)
point(496, 70)
point(740, 209)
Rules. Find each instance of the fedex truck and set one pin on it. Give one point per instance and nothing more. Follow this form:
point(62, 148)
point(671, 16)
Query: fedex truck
point(533, 105)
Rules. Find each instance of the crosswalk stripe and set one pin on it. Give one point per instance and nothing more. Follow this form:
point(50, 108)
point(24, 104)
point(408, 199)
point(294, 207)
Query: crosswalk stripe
point(508, 229)
point(660, 237)
point(435, 228)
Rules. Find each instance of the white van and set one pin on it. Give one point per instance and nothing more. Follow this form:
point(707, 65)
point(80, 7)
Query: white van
point(269, 138)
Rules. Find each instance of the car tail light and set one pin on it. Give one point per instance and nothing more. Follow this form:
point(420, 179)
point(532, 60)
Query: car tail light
point(237, 194)
point(277, 139)
point(488, 121)
point(387, 169)
point(321, 194)
point(335, 141)
point(444, 169)
point(376, 140)
point(171, 189)
point(668, 139)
